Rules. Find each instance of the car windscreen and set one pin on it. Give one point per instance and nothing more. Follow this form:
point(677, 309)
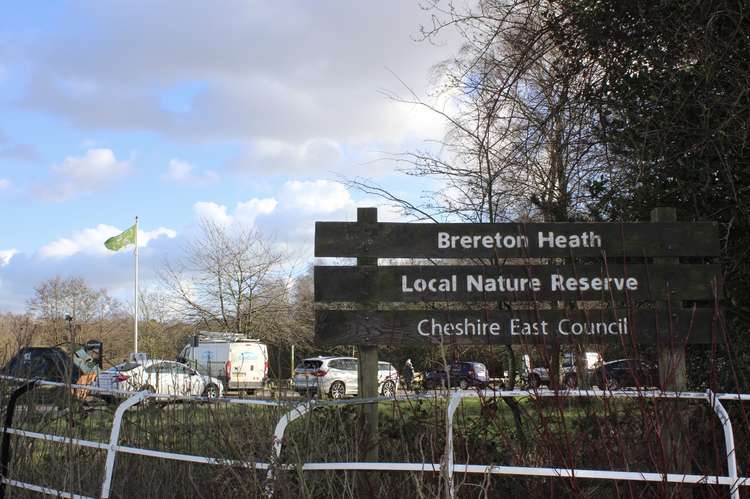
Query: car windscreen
point(309, 364)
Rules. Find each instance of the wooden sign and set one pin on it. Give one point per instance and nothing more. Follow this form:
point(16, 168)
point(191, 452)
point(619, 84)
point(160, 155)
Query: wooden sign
point(437, 304)
point(613, 282)
point(496, 327)
point(413, 240)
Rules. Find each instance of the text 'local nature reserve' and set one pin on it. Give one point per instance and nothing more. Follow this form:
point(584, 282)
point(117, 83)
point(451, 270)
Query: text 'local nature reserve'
point(489, 284)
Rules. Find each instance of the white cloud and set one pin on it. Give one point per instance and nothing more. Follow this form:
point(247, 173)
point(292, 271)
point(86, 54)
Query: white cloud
point(280, 156)
point(97, 169)
point(248, 211)
point(6, 255)
point(212, 212)
point(146, 236)
point(4, 183)
point(244, 212)
point(90, 241)
point(263, 70)
point(318, 196)
point(183, 172)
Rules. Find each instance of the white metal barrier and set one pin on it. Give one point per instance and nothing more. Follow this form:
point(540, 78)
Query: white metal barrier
point(733, 481)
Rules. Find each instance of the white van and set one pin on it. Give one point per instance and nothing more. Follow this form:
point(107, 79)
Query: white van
point(239, 362)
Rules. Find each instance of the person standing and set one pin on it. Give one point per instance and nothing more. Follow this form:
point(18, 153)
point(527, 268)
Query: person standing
point(408, 374)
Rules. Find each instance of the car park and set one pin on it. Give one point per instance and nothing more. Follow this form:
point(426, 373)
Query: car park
point(337, 377)
point(621, 373)
point(460, 374)
point(160, 376)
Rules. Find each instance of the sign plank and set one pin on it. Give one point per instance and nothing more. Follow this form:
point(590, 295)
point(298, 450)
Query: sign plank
point(414, 240)
point(411, 284)
point(433, 327)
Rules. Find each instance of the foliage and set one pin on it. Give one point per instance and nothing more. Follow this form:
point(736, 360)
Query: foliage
point(673, 111)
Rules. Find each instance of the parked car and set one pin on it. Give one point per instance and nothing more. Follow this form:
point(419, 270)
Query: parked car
point(239, 362)
point(539, 376)
point(160, 376)
point(620, 373)
point(462, 375)
point(337, 377)
point(55, 363)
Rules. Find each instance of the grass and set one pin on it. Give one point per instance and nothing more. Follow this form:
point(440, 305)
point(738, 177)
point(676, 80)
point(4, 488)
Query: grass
point(554, 432)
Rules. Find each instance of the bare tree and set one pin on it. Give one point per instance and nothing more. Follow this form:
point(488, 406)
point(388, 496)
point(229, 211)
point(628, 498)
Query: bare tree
point(58, 297)
point(227, 278)
point(303, 300)
point(17, 331)
point(520, 141)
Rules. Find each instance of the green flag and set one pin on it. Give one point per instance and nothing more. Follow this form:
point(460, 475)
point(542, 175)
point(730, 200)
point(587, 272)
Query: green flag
point(119, 241)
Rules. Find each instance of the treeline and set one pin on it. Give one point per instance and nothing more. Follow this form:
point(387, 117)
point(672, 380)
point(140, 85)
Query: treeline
point(226, 279)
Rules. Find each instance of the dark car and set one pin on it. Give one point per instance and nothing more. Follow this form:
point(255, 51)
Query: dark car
point(45, 363)
point(625, 372)
point(54, 363)
point(462, 374)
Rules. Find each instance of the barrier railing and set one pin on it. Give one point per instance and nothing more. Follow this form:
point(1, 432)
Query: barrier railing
point(297, 410)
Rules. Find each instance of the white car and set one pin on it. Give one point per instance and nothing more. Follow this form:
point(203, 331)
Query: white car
point(337, 377)
point(160, 376)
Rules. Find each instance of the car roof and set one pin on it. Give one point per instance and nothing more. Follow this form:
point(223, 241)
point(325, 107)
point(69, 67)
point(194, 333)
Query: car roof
point(622, 360)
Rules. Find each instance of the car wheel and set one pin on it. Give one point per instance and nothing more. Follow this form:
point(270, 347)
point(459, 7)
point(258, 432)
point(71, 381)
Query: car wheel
point(389, 389)
point(463, 384)
point(571, 381)
point(611, 384)
point(534, 381)
point(211, 391)
point(337, 390)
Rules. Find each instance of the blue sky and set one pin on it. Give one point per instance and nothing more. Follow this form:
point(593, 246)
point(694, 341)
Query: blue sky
point(242, 112)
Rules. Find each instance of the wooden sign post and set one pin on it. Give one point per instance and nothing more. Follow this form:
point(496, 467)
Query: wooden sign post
point(368, 360)
point(627, 279)
point(672, 368)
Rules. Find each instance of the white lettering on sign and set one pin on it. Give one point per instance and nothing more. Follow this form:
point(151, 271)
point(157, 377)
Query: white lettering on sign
point(585, 240)
point(524, 328)
point(445, 284)
point(487, 241)
point(466, 327)
point(504, 284)
point(548, 239)
point(562, 283)
point(566, 327)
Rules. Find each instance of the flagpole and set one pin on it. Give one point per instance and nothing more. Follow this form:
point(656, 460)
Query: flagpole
point(135, 318)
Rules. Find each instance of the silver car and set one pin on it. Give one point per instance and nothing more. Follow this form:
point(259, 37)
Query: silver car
point(337, 377)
